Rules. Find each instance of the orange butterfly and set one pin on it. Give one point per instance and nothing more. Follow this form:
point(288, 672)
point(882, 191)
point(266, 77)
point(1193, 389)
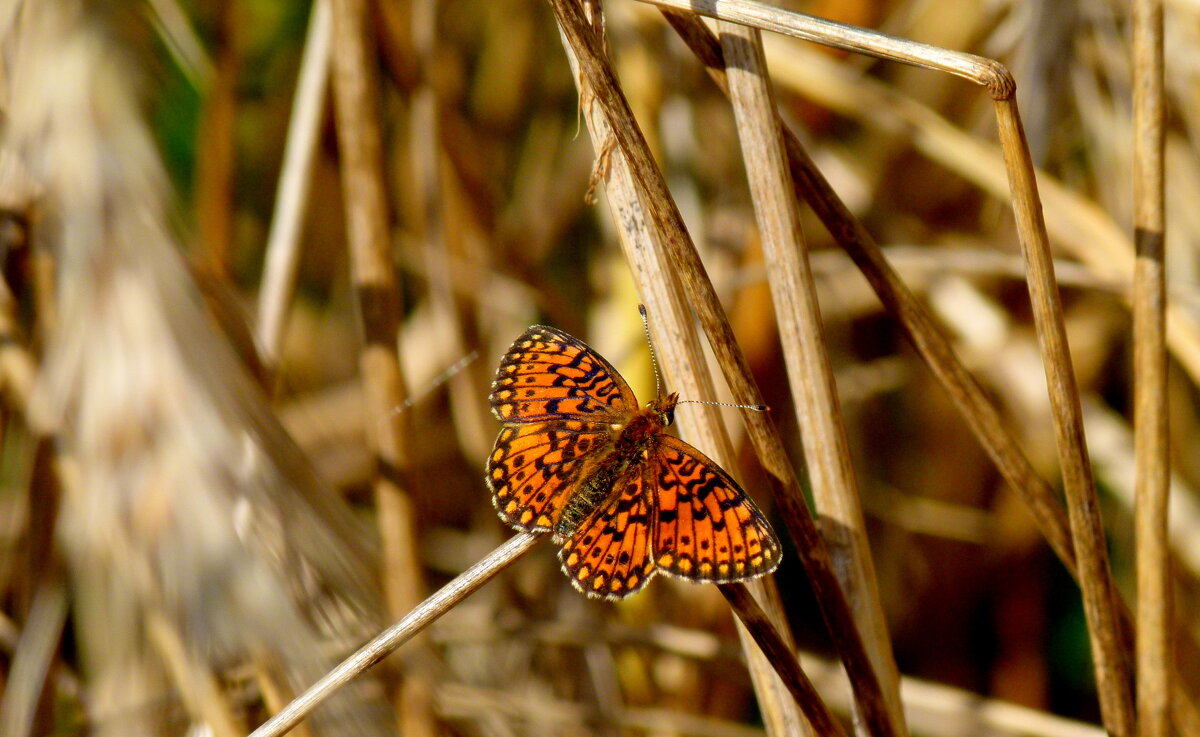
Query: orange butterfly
point(577, 457)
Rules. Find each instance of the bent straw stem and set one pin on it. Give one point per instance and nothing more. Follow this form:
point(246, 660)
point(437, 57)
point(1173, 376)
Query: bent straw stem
point(399, 633)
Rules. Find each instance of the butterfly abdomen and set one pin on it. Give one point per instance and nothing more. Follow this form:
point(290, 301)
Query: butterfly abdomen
point(631, 443)
point(591, 492)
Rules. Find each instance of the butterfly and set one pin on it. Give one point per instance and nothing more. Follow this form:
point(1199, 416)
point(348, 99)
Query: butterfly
point(577, 457)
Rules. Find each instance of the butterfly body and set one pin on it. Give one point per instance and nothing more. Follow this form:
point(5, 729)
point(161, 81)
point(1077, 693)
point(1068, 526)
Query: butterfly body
point(631, 443)
point(580, 459)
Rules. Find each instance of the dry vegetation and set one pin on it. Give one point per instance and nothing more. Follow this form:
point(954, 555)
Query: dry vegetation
point(259, 266)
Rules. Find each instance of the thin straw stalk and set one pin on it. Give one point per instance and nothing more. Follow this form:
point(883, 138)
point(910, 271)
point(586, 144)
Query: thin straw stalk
point(379, 302)
point(291, 195)
point(1095, 579)
point(684, 363)
point(383, 644)
point(977, 69)
point(1151, 439)
point(810, 375)
point(215, 154)
point(377, 290)
point(31, 662)
point(671, 234)
point(1113, 678)
point(783, 655)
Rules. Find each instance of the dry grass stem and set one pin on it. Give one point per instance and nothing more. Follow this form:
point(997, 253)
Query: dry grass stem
point(1078, 224)
point(18, 368)
point(383, 644)
point(922, 330)
point(1113, 675)
point(199, 689)
point(377, 291)
point(678, 346)
point(671, 235)
point(783, 657)
point(1089, 543)
point(986, 72)
point(32, 659)
point(1151, 441)
point(810, 375)
point(291, 197)
point(215, 148)
point(181, 40)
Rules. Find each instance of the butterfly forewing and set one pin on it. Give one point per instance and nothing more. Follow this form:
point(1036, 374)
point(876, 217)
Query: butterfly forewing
point(609, 553)
point(548, 375)
point(706, 528)
point(533, 469)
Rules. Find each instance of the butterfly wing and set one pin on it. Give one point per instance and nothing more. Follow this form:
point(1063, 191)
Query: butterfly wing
point(549, 375)
point(533, 469)
point(609, 553)
point(706, 528)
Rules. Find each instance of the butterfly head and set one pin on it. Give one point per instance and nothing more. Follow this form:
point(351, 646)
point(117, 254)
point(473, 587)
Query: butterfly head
point(664, 407)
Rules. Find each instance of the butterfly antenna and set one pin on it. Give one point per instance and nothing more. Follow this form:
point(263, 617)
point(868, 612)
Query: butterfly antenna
point(658, 380)
point(752, 407)
point(653, 356)
point(437, 381)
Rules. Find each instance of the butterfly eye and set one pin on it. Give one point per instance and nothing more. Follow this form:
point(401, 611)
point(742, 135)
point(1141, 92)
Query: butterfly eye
point(668, 415)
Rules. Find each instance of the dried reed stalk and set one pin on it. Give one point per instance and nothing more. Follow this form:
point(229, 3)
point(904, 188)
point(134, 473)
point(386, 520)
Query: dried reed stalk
point(814, 392)
point(1113, 676)
point(32, 659)
point(680, 353)
point(919, 326)
point(1151, 439)
point(18, 368)
point(214, 159)
point(356, 97)
point(1094, 577)
point(986, 72)
point(25, 693)
point(379, 302)
point(291, 196)
point(930, 341)
point(386, 642)
point(783, 656)
point(669, 234)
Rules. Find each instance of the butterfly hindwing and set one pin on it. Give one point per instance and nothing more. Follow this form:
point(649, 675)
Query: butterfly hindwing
point(549, 375)
point(609, 553)
point(533, 469)
point(706, 528)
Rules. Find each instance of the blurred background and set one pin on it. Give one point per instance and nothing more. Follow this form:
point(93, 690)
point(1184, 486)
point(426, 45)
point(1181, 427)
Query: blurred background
point(208, 532)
